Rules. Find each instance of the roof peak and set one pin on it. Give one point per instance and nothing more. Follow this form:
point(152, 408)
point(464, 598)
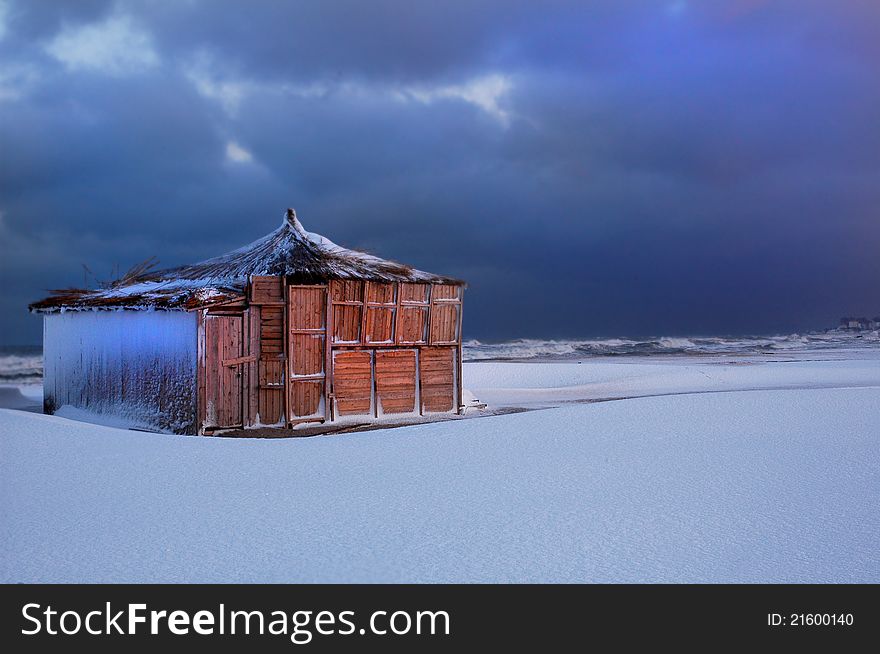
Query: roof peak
point(292, 221)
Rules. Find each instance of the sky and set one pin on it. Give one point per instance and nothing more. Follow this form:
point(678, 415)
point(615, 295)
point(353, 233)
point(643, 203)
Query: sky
point(608, 168)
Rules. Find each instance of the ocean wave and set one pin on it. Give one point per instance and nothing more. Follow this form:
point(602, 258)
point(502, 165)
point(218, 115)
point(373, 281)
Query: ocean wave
point(21, 367)
point(574, 349)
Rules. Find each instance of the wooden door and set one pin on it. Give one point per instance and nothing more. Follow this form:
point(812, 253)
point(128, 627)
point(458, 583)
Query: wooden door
point(223, 371)
point(307, 311)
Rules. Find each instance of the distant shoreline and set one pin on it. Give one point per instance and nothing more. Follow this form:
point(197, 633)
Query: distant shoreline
point(23, 364)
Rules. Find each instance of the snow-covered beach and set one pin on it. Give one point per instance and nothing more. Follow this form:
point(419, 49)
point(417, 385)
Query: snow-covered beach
point(729, 467)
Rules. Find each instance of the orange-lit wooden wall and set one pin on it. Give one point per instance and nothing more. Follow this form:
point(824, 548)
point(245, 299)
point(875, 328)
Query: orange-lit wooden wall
point(394, 348)
point(266, 394)
point(346, 349)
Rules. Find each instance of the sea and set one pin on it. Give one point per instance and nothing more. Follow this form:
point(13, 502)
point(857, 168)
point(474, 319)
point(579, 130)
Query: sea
point(830, 344)
point(21, 365)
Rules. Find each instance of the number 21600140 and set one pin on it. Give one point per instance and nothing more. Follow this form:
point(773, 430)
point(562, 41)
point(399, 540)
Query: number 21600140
point(810, 620)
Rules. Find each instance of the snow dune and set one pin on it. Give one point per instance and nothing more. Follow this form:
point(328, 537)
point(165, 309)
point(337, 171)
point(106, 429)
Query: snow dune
point(542, 384)
point(12, 397)
point(753, 486)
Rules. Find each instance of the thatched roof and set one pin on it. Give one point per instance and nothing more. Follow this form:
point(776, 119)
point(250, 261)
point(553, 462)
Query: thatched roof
point(301, 256)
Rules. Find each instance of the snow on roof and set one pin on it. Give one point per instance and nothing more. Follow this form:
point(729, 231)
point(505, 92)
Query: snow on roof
point(303, 257)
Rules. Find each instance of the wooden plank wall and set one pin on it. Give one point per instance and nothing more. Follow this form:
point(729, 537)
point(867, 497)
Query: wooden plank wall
point(266, 391)
point(411, 325)
point(390, 331)
point(380, 310)
point(445, 309)
point(393, 349)
point(414, 306)
point(223, 382)
point(307, 334)
point(305, 400)
point(395, 379)
point(352, 382)
point(348, 300)
point(138, 365)
point(271, 392)
point(220, 371)
point(370, 313)
point(437, 367)
point(272, 330)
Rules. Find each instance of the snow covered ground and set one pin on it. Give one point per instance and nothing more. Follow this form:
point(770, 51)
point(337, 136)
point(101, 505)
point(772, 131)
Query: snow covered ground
point(543, 384)
point(769, 485)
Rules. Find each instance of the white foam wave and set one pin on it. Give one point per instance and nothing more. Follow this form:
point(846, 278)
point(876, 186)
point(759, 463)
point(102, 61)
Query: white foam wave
point(21, 368)
point(569, 349)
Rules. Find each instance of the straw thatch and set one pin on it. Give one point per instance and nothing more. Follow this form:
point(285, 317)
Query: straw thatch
point(302, 257)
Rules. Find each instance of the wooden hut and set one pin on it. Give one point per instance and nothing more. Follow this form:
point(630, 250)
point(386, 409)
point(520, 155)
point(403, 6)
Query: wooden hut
point(288, 330)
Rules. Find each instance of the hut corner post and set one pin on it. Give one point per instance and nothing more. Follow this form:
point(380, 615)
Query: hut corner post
point(285, 338)
point(328, 354)
point(459, 382)
point(201, 411)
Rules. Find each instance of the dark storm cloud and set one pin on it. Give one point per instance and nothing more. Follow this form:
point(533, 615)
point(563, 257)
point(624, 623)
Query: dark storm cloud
point(591, 168)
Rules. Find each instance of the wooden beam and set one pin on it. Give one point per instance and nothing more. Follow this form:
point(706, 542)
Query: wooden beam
point(429, 339)
point(458, 404)
point(328, 355)
point(237, 361)
point(253, 391)
point(200, 373)
point(362, 335)
point(285, 320)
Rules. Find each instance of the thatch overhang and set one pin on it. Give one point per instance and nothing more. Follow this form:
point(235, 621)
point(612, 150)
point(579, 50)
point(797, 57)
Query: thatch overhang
point(290, 251)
